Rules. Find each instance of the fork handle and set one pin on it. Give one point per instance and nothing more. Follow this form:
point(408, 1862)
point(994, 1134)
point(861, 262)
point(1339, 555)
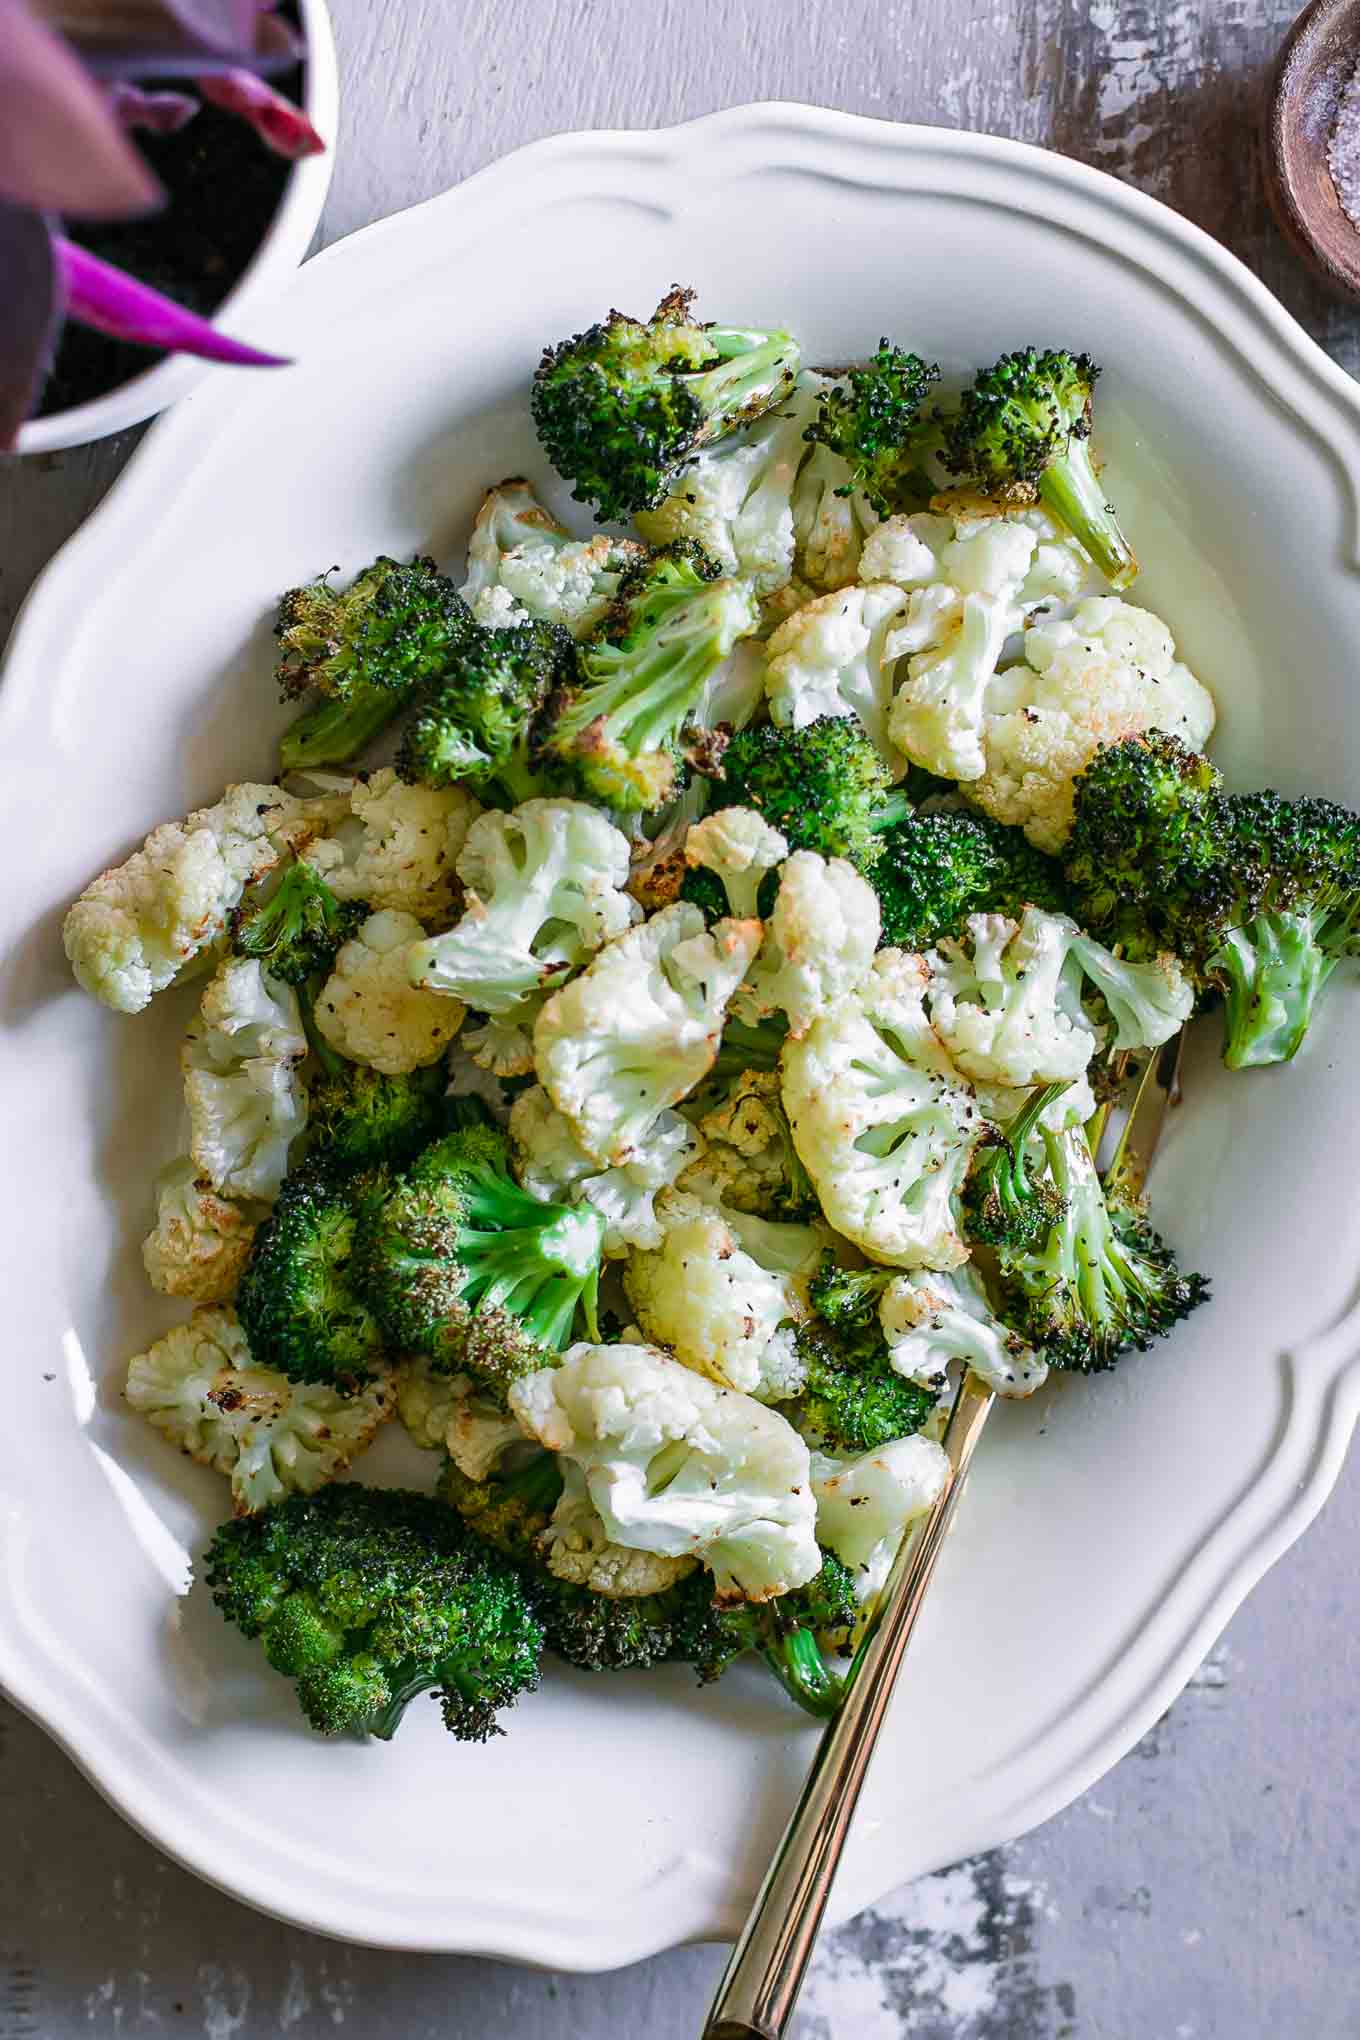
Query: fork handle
point(762, 1981)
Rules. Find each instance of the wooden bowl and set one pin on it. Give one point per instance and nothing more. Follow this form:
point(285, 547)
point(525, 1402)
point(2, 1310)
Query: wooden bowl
point(1314, 68)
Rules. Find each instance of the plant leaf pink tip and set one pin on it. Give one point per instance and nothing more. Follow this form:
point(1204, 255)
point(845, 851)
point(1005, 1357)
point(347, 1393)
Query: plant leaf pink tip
point(101, 296)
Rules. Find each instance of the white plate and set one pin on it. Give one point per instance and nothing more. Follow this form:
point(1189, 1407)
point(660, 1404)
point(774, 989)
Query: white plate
point(1111, 1527)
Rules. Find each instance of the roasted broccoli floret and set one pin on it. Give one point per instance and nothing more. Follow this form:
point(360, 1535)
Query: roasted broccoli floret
point(461, 1264)
point(297, 1301)
point(873, 419)
point(1146, 830)
point(365, 651)
point(296, 930)
point(852, 1400)
point(1101, 1281)
point(476, 724)
point(679, 1625)
point(937, 869)
point(366, 1597)
point(1022, 432)
point(1258, 895)
point(620, 406)
point(825, 786)
point(1283, 904)
point(357, 1116)
point(641, 676)
point(1006, 1203)
point(785, 1632)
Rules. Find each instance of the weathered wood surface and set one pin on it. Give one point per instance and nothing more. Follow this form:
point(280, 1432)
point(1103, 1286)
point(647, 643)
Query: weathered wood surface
point(1207, 1889)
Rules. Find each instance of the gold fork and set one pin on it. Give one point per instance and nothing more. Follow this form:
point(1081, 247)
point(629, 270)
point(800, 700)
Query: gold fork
point(761, 1984)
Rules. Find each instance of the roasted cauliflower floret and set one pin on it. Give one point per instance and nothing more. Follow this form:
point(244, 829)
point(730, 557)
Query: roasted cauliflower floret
point(678, 1466)
point(818, 945)
point(640, 1026)
point(933, 1322)
point(399, 846)
point(835, 656)
point(738, 846)
point(1109, 672)
point(452, 1413)
point(272, 1437)
point(722, 1288)
point(883, 1121)
point(544, 889)
point(136, 929)
point(369, 1010)
point(580, 1550)
point(1003, 1004)
point(246, 1100)
point(201, 1241)
point(748, 1160)
point(551, 1164)
point(865, 1504)
point(523, 564)
point(1006, 999)
point(957, 624)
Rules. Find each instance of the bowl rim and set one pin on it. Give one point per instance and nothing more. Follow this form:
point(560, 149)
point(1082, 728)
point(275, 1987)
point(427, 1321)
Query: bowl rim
point(281, 249)
point(693, 1897)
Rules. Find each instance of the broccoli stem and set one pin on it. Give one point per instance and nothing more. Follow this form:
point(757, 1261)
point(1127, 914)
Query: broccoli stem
point(646, 700)
point(407, 1686)
point(1072, 491)
point(798, 1664)
point(895, 809)
point(1271, 971)
point(1006, 1204)
point(748, 362)
point(1114, 1286)
point(336, 730)
point(538, 1273)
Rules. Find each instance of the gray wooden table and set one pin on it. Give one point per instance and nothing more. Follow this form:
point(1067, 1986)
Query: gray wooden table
point(1208, 1888)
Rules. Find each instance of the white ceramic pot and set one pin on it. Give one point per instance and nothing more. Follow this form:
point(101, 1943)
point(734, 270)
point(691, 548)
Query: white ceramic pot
point(282, 249)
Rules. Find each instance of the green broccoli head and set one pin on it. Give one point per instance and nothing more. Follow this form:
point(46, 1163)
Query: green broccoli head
point(357, 1116)
point(364, 650)
point(825, 787)
point(619, 407)
point(937, 869)
point(461, 1264)
point(852, 1399)
point(1100, 1282)
point(1258, 895)
point(298, 1305)
point(365, 1597)
point(296, 930)
point(1145, 832)
point(642, 676)
point(786, 1633)
point(476, 724)
point(681, 1625)
point(1006, 1202)
point(1274, 917)
point(1023, 430)
point(394, 627)
point(873, 419)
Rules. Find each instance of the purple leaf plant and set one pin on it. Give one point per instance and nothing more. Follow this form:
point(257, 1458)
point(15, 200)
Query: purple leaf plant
point(69, 103)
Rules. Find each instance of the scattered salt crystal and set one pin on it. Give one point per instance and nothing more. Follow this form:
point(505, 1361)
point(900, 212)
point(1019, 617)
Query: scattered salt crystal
point(1343, 149)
